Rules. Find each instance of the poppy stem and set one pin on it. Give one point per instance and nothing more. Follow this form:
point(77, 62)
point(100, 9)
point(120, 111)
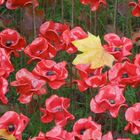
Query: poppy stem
point(62, 11)
point(115, 15)
point(34, 20)
point(95, 22)
point(72, 14)
point(90, 27)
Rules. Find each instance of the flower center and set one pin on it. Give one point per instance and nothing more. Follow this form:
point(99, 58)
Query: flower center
point(11, 128)
point(112, 101)
point(58, 109)
point(125, 75)
point(8, 43)
point(116, 49)
point(59, 33)
point(82, 131)
point(50, 73)
point(90, 74)
point(52, 43)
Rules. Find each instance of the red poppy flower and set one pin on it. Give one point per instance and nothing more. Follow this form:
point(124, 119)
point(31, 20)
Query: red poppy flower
point(118, 47)
point(3, 90)
point(85, 129)
point(52, 32)
point(123, 139)
point(14, 123)
point(136, 10)
point(11, 41)
point(94, 4)
point(5, 64)
point(53, 73)
point(1, 2)
point(40, 48)
point(13, 4)
point(90, 78)
point(125, 74)
point(41, 136)
point(27, 85)
point(56, 109)
point(109, 136)
point(136, 60)
point(110, 98)
point(132, 115)
point(71, 35)
point(57, 133)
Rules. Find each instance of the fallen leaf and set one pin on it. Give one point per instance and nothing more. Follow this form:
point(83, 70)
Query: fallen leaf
point(5, 135)
point(93, 52)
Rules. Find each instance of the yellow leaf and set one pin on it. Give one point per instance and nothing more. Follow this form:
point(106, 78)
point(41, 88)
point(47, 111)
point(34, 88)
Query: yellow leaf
point(92, 52)
point(5, 135)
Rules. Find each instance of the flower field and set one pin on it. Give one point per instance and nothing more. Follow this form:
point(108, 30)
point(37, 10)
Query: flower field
point(69, 70)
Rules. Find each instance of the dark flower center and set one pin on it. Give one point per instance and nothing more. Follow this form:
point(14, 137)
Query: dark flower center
point(8, 43)
point(50, 73)
point(125, 75)
point(91, 74)
point(59, 33)
point(11, 128)
point(112, 101)
point(116, 49)
point(52, 43)
point(58, 109)
point(82, 131)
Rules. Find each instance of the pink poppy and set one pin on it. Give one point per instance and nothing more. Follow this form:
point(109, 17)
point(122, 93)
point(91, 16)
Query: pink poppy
point(89, 78)
point(1, 2)
point(52, 32)
point(118, 47)
point(11, 41)
point(13, 4)
point(3, 90)
point(6, 66)
point(125, 74)
point(27, 84)
point(110, 98)
point(41, 136)
point(57, 133)
point(85, 128)
point(94, 4)
point(107, 136)
point(71, 35)
point(56, 109)
point(40, 48)
point(53, 73)
point(132, 115)
point(136, 9)
point(136, 60)
point(14, 123)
